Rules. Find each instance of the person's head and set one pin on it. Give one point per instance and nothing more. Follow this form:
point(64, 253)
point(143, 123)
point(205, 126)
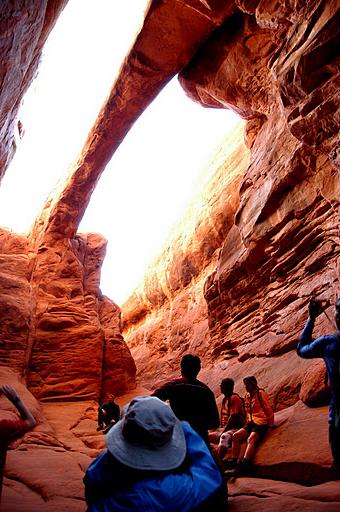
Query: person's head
point(148, 437)
point(337, 313)
point(190, 366)
point(227, 386)
point(250, 383)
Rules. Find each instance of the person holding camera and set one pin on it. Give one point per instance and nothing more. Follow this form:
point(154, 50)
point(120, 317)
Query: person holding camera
point(326, 347)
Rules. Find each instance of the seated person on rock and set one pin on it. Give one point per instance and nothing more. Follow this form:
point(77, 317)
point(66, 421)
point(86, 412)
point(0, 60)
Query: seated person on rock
point(108, 414)
point(326, 347)
point(190, 399)
point(10, 429)
point(233, 415)
point(154, 462)
point(260, 417)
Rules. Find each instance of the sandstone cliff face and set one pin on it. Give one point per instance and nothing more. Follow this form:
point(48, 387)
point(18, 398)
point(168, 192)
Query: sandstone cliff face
point(233, 280)
point(168, 314)
point(57, 329)
point(282, 245)
point(15, 304)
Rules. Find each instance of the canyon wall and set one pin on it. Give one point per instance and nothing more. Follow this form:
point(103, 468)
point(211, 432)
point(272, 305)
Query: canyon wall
point(57, 330)
point(64, 319)
point(276, 68)
point(236, 275)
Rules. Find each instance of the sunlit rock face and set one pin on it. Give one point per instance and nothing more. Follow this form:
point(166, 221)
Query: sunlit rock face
point(15, 299)
point(168, 315)
point(282, 244)
point(233, 282)
point(57, 329)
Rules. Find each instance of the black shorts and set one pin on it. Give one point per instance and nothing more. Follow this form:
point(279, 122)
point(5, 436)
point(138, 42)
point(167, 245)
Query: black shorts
point(261, 430)
point(334, 441)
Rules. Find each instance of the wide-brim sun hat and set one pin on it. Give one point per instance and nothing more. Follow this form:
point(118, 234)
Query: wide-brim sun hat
point(148, 437)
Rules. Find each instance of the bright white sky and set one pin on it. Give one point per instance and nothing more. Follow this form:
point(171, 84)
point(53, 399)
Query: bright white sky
point(149, 181)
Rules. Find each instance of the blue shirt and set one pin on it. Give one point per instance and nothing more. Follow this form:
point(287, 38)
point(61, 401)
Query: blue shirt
point(113, 487)
point(328, 348)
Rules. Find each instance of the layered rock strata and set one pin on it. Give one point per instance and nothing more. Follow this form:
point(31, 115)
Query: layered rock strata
point(168, 314)
point(57, 329)
point(231, 287)
point(282, 246)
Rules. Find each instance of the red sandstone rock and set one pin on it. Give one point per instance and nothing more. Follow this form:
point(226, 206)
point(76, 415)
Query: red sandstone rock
point(283, 245)
point(308, 77)
point(24, 29)
point(68, 325)
point(256, 495)
point(235, 286)
point(168, 315)
point(53, 316)
point(15, 307)
point(231, 70)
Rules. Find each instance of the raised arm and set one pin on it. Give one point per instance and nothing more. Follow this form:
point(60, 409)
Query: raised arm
point(24, 412)
point(309, 349)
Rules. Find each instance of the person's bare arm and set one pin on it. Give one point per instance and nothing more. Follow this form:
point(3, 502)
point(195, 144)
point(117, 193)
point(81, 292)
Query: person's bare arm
point(24, 412)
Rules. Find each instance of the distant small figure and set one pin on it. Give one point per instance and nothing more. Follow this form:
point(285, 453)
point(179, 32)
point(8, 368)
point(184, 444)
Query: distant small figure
point(12, 429)
point(328, 348)
point(233, 415)
point(154, 462)
point(190, 399)
point(260, 417)
point(108, 414)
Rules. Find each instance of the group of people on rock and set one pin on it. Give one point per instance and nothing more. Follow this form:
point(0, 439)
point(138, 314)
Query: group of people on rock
point(159, 456)
point(243, 419)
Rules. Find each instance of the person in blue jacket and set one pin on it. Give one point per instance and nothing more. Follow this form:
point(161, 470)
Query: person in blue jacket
point(154, 463)
point(328, 348)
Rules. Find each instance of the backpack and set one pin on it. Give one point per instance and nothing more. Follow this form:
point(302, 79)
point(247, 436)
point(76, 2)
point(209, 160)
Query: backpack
point(235, 421)
point(257, 392)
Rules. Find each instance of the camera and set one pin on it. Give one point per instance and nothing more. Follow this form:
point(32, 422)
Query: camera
point(322, 304)
point(317, 306)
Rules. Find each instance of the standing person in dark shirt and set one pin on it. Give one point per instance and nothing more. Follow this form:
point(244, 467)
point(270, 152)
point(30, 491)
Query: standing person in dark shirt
point(108, 414)
point(190, 399)
point(10, 429)
point(328, 348)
